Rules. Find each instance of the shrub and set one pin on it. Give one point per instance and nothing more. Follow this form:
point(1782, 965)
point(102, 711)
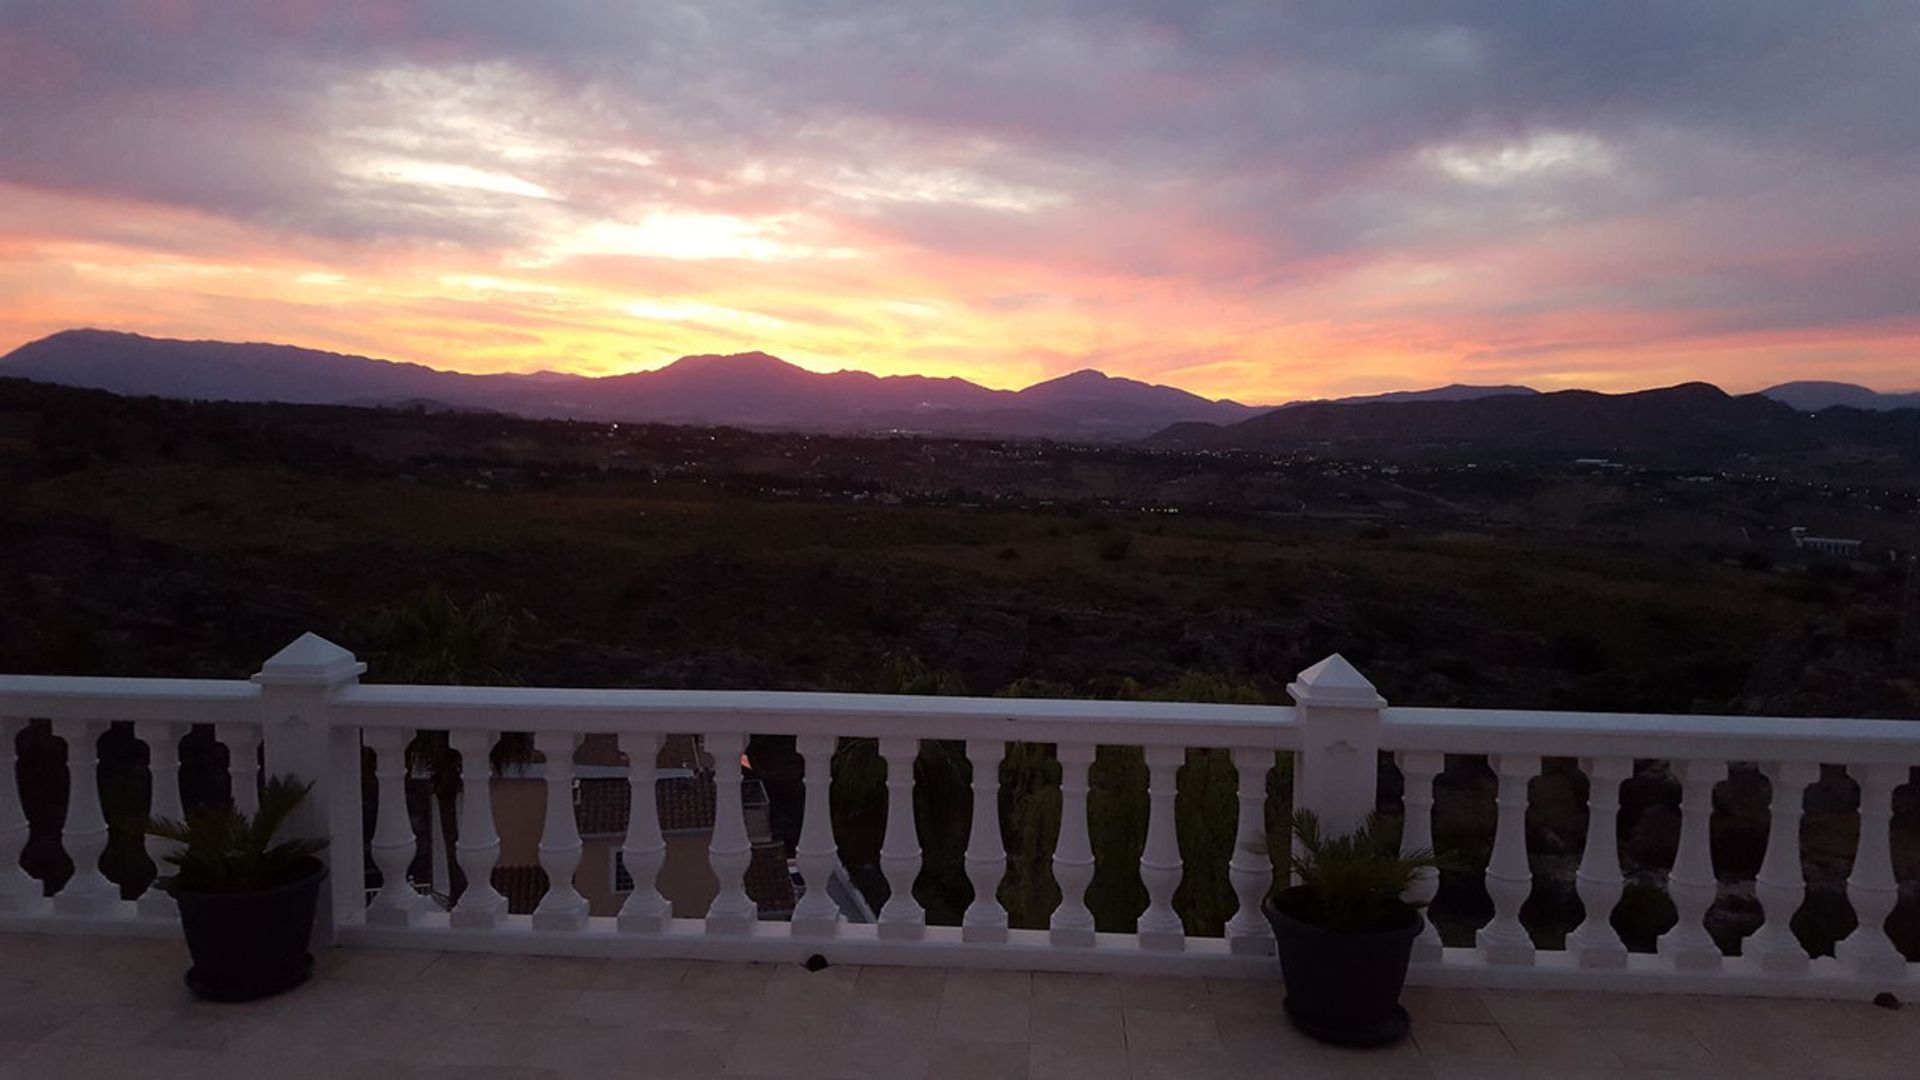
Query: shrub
point(1353, 882)
point(224, 851)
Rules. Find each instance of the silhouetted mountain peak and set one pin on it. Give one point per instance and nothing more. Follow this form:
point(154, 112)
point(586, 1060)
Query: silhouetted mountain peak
point(745, 361)
point(1084, 377)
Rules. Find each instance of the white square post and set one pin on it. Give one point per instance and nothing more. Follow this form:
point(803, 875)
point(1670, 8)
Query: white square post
point(1338, 777)
point(297, 687)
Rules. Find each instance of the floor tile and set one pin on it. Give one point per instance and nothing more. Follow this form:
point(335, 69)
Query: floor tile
point(1084, 1025)
point(1160, 1029)
point(901, 983)
point(1477, 1043)
point(1061, 1062)
point(972, 1060)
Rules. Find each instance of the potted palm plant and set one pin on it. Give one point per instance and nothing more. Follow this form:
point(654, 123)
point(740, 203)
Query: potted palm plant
point(246, 901)
point(1345, 932)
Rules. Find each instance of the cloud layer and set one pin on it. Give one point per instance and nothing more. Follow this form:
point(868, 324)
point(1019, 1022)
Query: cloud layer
point(1253, 199)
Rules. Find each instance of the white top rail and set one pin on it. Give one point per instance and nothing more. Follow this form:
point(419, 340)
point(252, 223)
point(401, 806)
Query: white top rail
point(86, 697)
point(1651, 735)
point(1117, 723)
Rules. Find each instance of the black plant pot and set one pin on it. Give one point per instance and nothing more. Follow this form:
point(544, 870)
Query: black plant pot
point(1343, 987)
point(251, 945)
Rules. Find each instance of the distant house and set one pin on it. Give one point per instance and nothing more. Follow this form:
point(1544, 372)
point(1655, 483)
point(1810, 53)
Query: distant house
point(1825, 545)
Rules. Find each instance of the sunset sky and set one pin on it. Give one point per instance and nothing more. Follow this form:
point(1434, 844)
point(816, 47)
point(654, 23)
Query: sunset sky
point(1264, 200)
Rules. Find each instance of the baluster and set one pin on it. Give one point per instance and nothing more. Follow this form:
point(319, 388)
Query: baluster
point(393, 843)
point(88, 891)
point(1691, 883)
point(730, 852)
point(1596, 944)
point(985, 918)
point(1417, 771)
point(1781, 886)
point(1072, 922)
point(1160, 926)
point(1509, 877)
point(163, 769)
point(19, 890)
point(644, 850)
point(1871, 888)
point(481, 907)
point(816, 915)
point(243, 764)
point(901, 916)
point(562, 908)
point(1250, 869)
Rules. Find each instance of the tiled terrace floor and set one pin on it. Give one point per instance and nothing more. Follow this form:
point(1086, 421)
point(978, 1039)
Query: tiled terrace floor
point(99, 1007)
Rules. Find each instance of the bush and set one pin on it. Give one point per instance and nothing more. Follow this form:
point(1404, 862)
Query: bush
point(1114, 548)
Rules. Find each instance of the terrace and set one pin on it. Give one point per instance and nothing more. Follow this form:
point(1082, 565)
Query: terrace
point(88, 1006)
point(405, 981)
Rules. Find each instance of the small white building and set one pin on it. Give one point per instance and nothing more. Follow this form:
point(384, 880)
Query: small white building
point(1825, 545)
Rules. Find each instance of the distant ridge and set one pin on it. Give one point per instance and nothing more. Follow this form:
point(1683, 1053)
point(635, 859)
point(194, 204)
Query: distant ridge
point(744, 389)
point(1450, 392)
point(1694, 420)
point(1811, 396)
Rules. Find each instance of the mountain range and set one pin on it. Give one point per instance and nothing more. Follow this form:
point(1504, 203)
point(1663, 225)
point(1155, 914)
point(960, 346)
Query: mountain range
point(756, 390)
point(752, 390)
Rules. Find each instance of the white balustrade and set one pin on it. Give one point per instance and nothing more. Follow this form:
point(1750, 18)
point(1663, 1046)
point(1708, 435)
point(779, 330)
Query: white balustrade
point(901, 917)
point(644, 850)
point(816, 914)
point(1781, 886)
point(1691, 884)
point(311, 716)
point(1160, 866)
point(1509, 875)
point(163, 767)
point(986, 858)
point(1417, 771)
point(19, 890)
point(393, 843)
point(1871, 888)
point(562, 908)
point(480, 907)
point(1071, 924)
point(1595, 943)
point(243, 764)
point(87, 892)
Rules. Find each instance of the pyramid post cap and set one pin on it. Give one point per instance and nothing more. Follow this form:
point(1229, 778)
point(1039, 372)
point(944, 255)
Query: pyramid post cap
point(1336, 683)
point(309, 660)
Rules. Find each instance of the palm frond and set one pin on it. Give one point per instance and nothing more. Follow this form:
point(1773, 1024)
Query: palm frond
point(1357, 881)
point(223, 850)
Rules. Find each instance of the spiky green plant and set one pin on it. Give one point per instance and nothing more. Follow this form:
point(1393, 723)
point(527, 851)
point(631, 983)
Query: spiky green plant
point(225, 851)
point(1355, 882)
